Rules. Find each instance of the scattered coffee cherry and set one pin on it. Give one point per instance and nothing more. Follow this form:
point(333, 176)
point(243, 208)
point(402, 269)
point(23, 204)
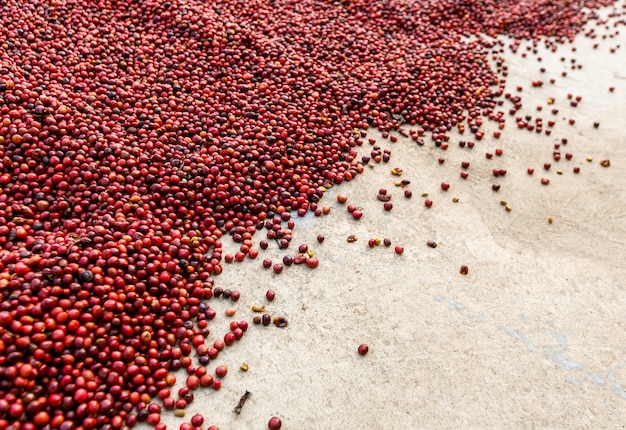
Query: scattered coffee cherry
point(530, 170)
point(219, 344)
point(576, 169)
point(280, 322)
point(408, 194)
point(399, 249)
point(383, 197)
point(605, 163)
point(342, 198)
point(363, 349)
point(428, 203)
point(266, 319)
point(229, 338)
point(495, 187)
point(464, 270)
point(274, 423)
point(445, 186)
point(545, 181)
point(387, 241)
point(431, 243)
point(311, 262)
point(270, 295)
point(221, 371)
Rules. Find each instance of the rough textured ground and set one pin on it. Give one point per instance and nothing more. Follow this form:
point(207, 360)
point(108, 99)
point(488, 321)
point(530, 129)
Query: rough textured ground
point(533, 337)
